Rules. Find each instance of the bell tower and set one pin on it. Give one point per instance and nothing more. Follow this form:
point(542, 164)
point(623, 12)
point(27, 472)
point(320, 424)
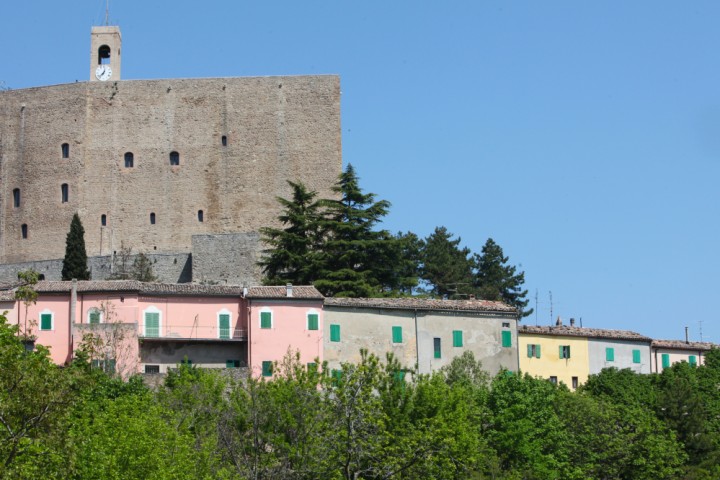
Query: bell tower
point(105, 53)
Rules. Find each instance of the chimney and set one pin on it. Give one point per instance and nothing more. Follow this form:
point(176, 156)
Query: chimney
point(572, 322)
point(558, 322)
point(472, 297)
point(288, 287)
point(687, 338)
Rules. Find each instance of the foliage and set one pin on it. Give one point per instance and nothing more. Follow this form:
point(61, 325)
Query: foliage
point(75, 261)
point(27, 294)
point(141, 268)
point(495, 280)
point(446, 267)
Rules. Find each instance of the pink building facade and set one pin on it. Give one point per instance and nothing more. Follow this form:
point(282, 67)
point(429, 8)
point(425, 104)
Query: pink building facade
point(134, 327)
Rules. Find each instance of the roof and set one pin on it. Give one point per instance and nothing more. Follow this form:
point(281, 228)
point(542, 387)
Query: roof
point(301, 291)
point(681, 345)
point(567, 331)
point(412, 303)
point(143, 288)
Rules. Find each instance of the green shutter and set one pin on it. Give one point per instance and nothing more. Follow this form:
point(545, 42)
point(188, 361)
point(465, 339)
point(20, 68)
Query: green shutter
point(530, 350)
point(567, 351)
point(562, 352)
point(152, 324)
point(437, 352)
point(224, 324)
point(334, 333)
point(507, 338)
point(537, 351)
point(232, 364)
point(46, 321)
point(110, 366)
point(399, 375)
point(397, 334)
point(693, 360)
point(609, 354)
point(665, 360)
point(336, 374)
point(636, 356)
point(311, 366)
point(313, 321)
point(94, 317)
point(265, 319)
point(457, 338)
point(267, 369)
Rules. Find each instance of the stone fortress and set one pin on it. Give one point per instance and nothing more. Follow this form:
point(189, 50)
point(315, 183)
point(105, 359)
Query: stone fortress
point(184, 170)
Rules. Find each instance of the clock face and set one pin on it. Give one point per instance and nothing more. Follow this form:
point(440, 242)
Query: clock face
point(103, 72)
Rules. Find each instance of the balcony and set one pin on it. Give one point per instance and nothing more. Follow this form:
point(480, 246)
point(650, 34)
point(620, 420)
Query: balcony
point(184, 333)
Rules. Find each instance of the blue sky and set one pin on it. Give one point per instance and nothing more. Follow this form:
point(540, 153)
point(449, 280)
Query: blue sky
point(583, 137)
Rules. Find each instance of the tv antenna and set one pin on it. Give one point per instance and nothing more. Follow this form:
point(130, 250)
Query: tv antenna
point(536, 307)
point(107, 12)
point(551, 307)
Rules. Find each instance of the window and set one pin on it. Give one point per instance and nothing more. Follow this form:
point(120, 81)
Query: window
point(152, 322)
point(46, 321)
point(609, 354)
point(232, 363)
point(336, 374)
point(506, 324)
point(174, 158)
point(437, 352)
point(104, 55)
point(636, 356)
point(267, 368)
point(265, 319)
point(201, 216)
point(152, 369)
point(334, 333)
point(553, 380)
point(64, 193)
point(224, 141)
point(397, 334)
point(224, 325)
point(65, 150)
point(457, 338)
point(507, 338)
point(312, 367)
point(23, 230)
point(533, 350)
point(313, 321)
point(693, 360)
point(665, 360)
point(16, 198)
point(564, 351)
point(107, 365)
point(103, 220)
point(574, 383)
point(152, 218)
point(129, 160)
point(94, 316)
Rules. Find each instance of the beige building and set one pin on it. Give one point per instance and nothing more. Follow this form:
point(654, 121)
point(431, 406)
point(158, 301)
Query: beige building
point(425, 333)
point(153, 163)
point(667, 352)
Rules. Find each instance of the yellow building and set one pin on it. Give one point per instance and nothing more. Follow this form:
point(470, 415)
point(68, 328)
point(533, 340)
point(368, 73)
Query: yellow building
point(558, 354)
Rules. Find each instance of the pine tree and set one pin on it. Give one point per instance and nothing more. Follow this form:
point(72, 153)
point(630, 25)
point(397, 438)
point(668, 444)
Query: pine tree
point(356, 260)
point(75, 261)
point(495, 280)
point(446, 267)
point(291, 257)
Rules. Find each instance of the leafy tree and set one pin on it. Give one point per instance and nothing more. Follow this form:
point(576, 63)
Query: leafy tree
point(355, 258)
point(142, 269)
point(292, 256)
point(495, 280)
point(75, 261)
point(27, 294)
point(445, 266)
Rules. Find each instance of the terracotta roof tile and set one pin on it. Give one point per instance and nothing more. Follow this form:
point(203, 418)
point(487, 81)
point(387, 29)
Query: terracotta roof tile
point(567, 331)
point(411, 303)
point(7, 296)
point(681, 345)
point(143, 288)
point(300, 291)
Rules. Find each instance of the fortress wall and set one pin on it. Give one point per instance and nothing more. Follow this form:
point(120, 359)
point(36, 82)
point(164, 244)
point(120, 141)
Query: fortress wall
point(227, 258)
point(277, 128)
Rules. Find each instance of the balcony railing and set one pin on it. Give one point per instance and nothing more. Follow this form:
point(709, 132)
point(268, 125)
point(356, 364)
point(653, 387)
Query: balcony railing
point(188, 332)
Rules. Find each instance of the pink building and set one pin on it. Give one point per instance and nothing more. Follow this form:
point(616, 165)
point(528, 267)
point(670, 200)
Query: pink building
point(130, 326)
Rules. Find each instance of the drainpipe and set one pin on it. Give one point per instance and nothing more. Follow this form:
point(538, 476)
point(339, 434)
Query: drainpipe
point(73, 304)
point(417, 343)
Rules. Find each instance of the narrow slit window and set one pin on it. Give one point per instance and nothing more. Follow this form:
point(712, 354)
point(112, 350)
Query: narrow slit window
point(224, 140)
point(65, 149)
point(23, 230)
point(174, 158)
point(201, 216)
point(16, 198)
point(103, 220)
point(129, 160)
point(64, 192)
point(104, 55)
point(152, 218)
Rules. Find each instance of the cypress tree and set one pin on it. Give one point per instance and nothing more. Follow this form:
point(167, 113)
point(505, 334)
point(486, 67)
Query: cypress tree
point(75, 261)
